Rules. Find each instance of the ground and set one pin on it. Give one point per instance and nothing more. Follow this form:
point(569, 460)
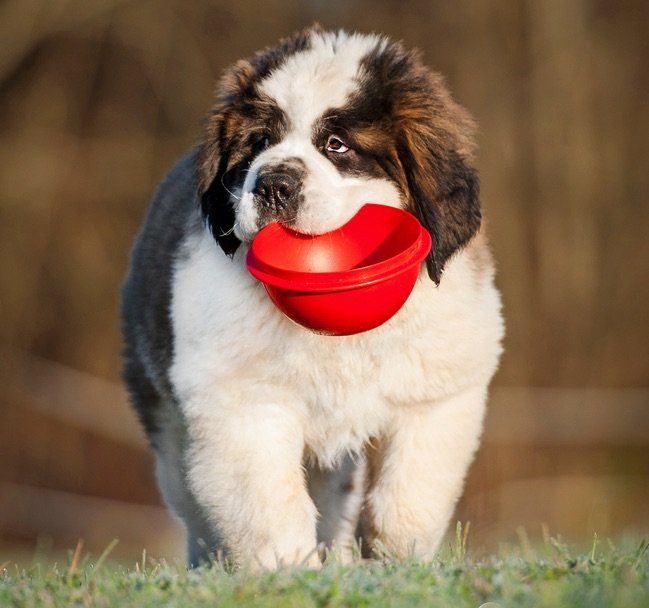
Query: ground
point(552, 576)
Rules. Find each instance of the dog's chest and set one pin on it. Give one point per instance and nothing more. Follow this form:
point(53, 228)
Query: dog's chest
point(340, 384)
point(230, 343)
point(232, 348)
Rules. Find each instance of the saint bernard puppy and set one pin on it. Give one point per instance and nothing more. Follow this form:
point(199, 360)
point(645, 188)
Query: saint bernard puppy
point(272, 442)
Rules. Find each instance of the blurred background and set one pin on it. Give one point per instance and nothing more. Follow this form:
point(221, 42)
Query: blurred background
point(98, 97)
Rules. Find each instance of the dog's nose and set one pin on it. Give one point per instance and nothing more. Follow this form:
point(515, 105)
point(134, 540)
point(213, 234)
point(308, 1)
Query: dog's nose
point(278, 192)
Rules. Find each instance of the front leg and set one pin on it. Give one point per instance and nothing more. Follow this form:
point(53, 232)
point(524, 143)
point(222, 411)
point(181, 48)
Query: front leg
point(245, 469)
point(416, 473)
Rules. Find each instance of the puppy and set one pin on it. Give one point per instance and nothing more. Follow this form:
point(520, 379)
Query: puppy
point(270, 439)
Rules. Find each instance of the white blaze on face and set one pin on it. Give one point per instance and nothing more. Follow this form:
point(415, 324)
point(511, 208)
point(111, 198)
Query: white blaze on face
point(318, 79)
point(306, 86)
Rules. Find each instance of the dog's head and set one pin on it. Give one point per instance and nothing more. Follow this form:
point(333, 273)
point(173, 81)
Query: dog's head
point(309, 131)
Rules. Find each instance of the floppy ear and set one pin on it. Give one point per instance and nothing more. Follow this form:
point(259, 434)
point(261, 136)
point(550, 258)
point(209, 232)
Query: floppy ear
point(445, 196)
point(211, 177)
point(434, 146)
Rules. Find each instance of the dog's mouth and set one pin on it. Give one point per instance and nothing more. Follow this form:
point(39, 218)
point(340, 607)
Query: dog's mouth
point(291, 223)
point(275, 208)
point(310, 218)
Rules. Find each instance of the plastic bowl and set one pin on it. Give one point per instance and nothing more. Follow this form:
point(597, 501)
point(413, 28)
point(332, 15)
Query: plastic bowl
point(346, 281)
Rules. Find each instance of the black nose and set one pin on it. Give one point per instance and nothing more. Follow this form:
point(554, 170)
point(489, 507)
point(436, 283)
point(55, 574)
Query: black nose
point(278, 192)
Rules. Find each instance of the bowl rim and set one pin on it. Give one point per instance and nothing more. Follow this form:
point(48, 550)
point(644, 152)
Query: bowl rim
point(296, 280)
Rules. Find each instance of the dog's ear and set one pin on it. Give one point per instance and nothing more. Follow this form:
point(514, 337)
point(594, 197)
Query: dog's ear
point(445, 195)
point(211, 167)
point(221, 135)
point(434, 145)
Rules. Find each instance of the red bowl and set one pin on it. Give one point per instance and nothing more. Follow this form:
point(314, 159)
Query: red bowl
point(346, 281)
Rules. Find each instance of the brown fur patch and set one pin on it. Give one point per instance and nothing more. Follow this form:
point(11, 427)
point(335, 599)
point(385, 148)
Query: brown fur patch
point(235, 91)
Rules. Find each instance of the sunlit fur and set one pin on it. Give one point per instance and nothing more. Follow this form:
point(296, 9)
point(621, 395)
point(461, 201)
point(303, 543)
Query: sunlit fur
point(270, 439)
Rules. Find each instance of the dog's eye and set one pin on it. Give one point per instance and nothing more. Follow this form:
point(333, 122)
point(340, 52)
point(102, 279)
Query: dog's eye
point(336, 145)
point(261, 144)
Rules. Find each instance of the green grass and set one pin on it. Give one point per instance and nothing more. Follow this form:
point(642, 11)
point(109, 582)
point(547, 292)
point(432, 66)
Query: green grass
point(551, 576)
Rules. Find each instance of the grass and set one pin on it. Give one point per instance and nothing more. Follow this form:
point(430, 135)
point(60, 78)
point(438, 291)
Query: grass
point(551, 576)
